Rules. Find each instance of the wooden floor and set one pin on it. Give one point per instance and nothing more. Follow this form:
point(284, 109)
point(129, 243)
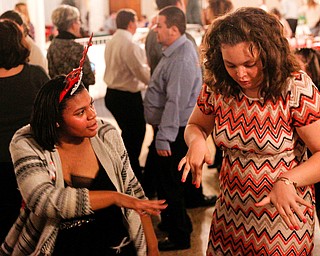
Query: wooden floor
point(201, 217)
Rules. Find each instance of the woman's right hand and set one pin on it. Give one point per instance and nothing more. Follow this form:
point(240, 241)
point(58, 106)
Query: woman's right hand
point(197, 155)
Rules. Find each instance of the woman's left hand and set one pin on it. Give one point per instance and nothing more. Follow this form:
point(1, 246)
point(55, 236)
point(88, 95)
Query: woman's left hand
point(149, 207)
point(141, 206)
point(284, 197)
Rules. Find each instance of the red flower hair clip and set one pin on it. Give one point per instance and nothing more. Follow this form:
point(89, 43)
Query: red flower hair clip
point(73, 79)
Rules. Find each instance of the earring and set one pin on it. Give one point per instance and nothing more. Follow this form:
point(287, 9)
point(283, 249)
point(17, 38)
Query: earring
point(57, 125)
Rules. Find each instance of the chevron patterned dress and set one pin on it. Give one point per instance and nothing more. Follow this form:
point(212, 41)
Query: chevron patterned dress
point(260, 142)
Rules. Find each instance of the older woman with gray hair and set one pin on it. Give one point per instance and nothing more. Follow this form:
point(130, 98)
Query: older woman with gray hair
point(64, 52)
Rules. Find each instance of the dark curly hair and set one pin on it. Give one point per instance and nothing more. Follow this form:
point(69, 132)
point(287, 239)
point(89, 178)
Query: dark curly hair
point(264, 33)
point(14, 49)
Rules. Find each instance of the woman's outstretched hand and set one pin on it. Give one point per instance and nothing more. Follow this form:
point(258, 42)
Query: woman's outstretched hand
point(284, 197)
point(142, 207)
point(197, 155)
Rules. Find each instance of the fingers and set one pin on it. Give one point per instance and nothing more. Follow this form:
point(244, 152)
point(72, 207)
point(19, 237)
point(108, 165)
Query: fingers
point(164, 153)
point(149, 212)
point(263, 202)
point(289, 218)
point(286, 213)
point(292, 215)
point(297, 209)
point(182, 163)
point(186, 171)
point(304, 202)
point(150, 207)
point(208, 158)
point(197, 177)
point(196, 174)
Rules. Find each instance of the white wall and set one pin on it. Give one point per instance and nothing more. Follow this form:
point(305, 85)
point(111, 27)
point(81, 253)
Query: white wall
point(149, 8)
point(98, 11)
point(7, 5)
point(100, 8)
point(41, 10)
point(37, 16)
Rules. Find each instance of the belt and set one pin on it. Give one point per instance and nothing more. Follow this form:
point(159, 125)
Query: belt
point(74, 223)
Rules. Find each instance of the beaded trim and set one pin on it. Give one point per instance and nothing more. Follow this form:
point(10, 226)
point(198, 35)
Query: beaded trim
point(74, 223)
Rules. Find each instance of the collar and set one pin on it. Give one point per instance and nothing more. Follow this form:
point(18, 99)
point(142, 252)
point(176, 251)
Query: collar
point(180, 41)
point(125, 33)
point(65, 35)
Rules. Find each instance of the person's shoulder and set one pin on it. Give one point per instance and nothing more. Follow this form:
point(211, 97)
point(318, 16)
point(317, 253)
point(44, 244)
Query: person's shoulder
point(300, 83)
point(22, 133)
point(104, 127)
point(300, 77)
point(188, 49)
point(54, 42)
point(61, 42)
point(190, 37)
point(33, 67)
point(36, 70)
point(151, 35)
point(74, 43)
point(57, 45)
point(121, 34)
point(120, 39)
point(189, 43)
point(23, 141)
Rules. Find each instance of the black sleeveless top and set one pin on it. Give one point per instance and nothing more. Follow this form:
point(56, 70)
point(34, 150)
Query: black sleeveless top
point(97, 233)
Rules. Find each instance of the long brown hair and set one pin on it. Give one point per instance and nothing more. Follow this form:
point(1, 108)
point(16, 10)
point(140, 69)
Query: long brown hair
point(265, 33)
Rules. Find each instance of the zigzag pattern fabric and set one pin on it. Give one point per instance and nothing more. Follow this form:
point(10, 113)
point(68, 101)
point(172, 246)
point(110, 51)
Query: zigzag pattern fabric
point(260, 142)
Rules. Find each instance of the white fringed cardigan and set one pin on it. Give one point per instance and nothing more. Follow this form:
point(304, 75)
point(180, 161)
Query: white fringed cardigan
point(41, 183)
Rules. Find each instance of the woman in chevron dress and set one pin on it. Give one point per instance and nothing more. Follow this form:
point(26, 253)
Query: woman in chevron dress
point(264, 113)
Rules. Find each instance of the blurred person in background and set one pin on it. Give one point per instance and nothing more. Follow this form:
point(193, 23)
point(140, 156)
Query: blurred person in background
point(290, 10)
point(110, 25)
point(193, 197)
point(193, 12)
point(143, 22)
point(286, 27)
point(316, 30)
point(22, 8)
point(36, 55)
point(64, 53)
point(153, 48)
point(127, 75)
point(215, 9)
point(19, 84)
point(311, 12)
point(170, 97)
point(310, 63)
